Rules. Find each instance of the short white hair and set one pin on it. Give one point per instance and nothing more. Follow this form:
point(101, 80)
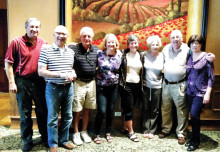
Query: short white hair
point(176, 32)
point(61, 28)
point(87, 30)
point(151, 39)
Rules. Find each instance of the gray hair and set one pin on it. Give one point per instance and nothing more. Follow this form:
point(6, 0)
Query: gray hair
point(131, 38)
point(151, 39)
point(31, 20)
point(176, 32)
point(88, 30)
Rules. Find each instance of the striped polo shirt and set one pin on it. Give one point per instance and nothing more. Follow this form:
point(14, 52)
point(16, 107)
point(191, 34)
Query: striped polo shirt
point(85, 62)
point(57, 61)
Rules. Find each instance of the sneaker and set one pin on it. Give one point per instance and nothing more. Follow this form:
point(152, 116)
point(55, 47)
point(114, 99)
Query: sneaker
point(77, 139)
point(85, 137)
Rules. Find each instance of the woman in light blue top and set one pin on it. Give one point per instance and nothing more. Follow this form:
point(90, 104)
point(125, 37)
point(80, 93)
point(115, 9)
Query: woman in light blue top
point(153, 65)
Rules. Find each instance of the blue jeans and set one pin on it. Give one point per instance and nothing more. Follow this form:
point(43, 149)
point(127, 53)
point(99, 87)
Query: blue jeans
point(59, 97)
point(106, 98)
point(195, 107)
point(31, 89)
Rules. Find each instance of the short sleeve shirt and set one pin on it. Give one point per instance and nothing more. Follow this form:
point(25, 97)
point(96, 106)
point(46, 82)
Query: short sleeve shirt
point(57, 61)
point(175, 62)
point(108, 68)
point(24, 56)
point(85, 63)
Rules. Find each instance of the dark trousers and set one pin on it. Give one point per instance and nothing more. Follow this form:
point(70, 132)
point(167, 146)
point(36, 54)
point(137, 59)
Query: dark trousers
point(129, 95)
point(106, 98)
point(28, 90)
point(195, 107)
point(150, 109)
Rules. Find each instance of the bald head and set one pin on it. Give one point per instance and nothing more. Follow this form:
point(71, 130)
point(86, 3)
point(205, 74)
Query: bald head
point(176, 39)
point(60, 35)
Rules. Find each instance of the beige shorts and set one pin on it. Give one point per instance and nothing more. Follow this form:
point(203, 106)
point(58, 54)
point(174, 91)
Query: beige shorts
point(84, 95)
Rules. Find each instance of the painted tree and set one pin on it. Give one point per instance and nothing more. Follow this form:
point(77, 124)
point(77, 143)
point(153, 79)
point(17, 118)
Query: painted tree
point(171, 5)
point(179, 6)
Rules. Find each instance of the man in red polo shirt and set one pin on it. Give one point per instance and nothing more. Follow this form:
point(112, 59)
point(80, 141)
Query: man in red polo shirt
point(21, 61)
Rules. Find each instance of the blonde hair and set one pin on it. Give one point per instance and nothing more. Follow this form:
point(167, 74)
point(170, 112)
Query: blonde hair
point(151, 39)
point(107, 36)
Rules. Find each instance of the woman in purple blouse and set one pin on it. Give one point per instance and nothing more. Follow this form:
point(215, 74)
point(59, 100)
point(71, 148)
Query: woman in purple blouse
point(109, 61)
point(200, 78)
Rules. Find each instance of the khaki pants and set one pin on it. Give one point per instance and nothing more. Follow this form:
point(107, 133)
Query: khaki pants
point(174, 93)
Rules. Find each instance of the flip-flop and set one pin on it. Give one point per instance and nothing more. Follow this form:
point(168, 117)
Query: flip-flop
point(97, 139)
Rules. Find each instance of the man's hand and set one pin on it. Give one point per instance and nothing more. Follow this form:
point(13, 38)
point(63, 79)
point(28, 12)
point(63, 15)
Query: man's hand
point(68, 76)
point(13, 87)
point(210, 57)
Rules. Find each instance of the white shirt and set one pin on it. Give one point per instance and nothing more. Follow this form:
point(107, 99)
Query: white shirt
point(133, 67)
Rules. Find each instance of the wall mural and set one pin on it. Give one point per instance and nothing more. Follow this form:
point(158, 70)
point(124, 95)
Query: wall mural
point(124, 17)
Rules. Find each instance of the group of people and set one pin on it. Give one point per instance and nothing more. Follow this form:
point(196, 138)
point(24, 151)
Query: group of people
point(74, 79)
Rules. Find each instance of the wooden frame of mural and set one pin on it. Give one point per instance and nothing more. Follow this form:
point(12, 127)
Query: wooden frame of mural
point(124, 17)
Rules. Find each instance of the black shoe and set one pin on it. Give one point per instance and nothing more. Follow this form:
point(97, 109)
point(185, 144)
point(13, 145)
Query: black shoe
point(188, 143)
point(44, 142)
point(27, 147)
point(193, 146)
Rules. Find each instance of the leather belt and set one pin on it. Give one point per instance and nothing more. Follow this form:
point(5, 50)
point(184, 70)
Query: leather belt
point(85, 79)
point(167, 82)
point(59, 85)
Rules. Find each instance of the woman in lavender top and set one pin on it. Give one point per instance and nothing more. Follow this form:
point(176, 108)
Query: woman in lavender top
point(109, 61)
point(153, 66)
point(200, 78)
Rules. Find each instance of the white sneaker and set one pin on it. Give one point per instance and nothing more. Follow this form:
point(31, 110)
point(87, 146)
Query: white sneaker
point(85, 137)
point(77, 139)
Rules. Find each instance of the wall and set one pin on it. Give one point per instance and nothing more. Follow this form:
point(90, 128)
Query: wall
point(213, 30)
point(47, 11)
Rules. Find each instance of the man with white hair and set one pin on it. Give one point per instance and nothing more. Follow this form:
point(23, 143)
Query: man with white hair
point(21, 68)
point(85, 63)
point(56, 66)
point(174, 86)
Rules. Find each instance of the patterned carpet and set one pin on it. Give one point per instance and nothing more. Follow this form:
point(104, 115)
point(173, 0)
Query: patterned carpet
point(10, 141)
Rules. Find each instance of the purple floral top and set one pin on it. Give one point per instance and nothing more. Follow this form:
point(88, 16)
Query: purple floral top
point(108, 68)
point(200, 75)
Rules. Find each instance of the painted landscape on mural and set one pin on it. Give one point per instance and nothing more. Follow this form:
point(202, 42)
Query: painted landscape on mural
point(123, 17)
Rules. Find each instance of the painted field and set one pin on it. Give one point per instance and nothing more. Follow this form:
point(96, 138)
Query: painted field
point(163, 30)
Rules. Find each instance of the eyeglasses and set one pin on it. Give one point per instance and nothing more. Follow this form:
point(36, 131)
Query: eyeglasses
point(88, 60)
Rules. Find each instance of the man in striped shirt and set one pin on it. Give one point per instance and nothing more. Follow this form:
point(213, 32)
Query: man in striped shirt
point(85, 63)
point(56, 66)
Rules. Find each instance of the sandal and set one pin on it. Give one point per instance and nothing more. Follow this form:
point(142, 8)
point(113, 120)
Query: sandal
point(151, 136)
point(109, 138)
point(133, 137)
point(97, 139)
